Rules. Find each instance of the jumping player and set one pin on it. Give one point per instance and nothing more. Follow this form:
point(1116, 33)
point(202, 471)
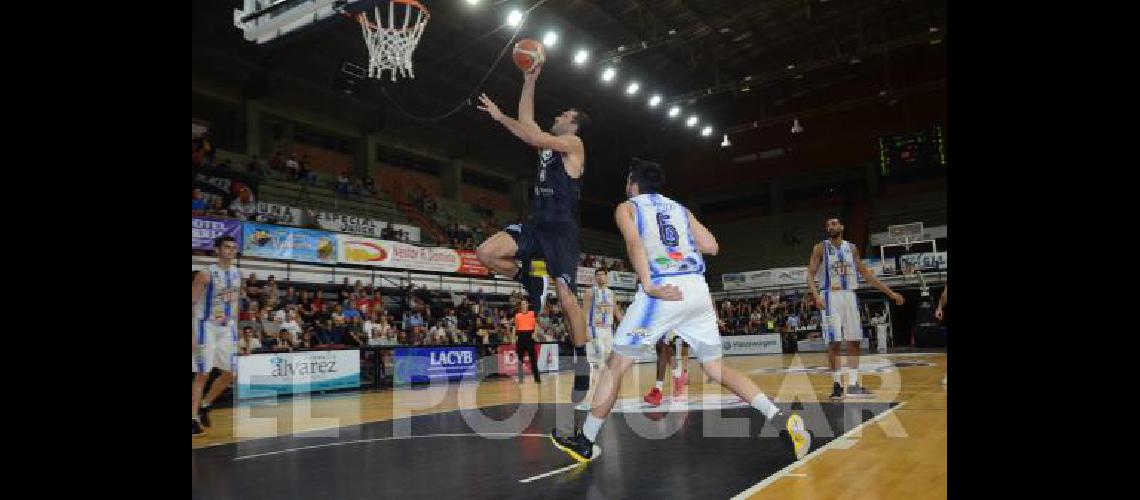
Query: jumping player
point(551, 231)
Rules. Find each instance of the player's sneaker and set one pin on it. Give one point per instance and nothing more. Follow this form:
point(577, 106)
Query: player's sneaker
point(583, 406)
point(654, 397)
point(204, 415)
point(577, 446)
point(836, 391)
point(679, 384)
point(801, 437)
point(858, 391)
point(196, 428)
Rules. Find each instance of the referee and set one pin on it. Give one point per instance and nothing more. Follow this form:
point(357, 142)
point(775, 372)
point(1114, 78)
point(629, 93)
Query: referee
point(524, 342)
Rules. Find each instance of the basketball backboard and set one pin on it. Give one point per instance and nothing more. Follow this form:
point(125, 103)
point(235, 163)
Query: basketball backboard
point(263, 21)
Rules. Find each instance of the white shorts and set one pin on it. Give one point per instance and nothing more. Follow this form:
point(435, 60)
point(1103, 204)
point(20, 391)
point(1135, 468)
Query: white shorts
point(693, 317)
point(217, 346)
point(600, 345)
point(841, 320)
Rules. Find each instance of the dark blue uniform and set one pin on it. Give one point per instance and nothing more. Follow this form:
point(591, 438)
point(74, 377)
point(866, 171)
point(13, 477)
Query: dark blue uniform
point(551, 231)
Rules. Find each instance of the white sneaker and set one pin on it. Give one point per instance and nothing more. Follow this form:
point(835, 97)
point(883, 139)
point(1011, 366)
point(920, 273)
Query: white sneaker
point(583, 406)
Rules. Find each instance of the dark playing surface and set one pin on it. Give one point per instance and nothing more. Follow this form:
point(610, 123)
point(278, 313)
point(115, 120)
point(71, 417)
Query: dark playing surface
point(691, 454)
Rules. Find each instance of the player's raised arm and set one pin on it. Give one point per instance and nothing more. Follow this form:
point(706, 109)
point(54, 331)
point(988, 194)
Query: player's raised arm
point(535, 137)
point(704, 238)
point(870, 277)
point(624, 217)
point(526, 100)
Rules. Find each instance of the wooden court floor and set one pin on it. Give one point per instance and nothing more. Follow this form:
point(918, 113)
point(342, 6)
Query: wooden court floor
point(902, 454)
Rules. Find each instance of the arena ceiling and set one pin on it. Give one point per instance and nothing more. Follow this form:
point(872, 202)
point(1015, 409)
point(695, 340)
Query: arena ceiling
point(746, 67)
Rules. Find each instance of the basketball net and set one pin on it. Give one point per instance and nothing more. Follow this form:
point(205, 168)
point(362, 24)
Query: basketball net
point(390, 47)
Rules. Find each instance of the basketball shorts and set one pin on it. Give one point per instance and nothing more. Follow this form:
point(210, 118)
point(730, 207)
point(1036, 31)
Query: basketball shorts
point(600, 345)
point(649, 319)
point(669, 338)
point(217, 346)
point(841, 321)
point(556, 243)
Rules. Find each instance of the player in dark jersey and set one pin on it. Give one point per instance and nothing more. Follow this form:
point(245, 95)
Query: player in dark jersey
point(551, 230)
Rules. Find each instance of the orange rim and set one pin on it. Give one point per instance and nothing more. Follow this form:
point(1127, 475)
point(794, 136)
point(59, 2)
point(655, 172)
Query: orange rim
point(363, 19)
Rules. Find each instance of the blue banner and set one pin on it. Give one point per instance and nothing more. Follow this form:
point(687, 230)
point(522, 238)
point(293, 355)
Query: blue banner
point(421, 364)
point(288, 243)
point(205, 229)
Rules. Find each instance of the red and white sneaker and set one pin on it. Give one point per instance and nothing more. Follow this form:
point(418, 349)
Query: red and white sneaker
point(654, 397)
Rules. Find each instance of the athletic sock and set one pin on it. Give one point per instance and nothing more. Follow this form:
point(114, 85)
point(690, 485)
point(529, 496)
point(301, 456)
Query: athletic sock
point(836, 376)
point(762, 403)
point(660, 384)
point(591, 427)
point(852, 376)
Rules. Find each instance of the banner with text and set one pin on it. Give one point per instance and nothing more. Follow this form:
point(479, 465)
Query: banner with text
point(276, 213)
point(469, 264)
point(361, 226)
point(421, 364)
point(373, 252)
point(925, 261)
point(623, 279)
point(289, 243)
point(751, 344)
point(261, 375)
point(205, 229)
point(509, 360)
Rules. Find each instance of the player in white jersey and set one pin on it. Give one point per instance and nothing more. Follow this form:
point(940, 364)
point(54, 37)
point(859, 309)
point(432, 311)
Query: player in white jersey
point(217, 301)
point(840, 321)
point(601, 311)
point(665, 243)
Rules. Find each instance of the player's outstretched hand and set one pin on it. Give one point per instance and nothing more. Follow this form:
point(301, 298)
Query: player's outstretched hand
point(490, 107)
point(664, 292)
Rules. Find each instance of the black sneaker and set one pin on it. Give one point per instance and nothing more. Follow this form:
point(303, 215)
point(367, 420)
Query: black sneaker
point(858, 391)
point(204, 415)
point(836, 391)
point(196, 429)
point(577, 446)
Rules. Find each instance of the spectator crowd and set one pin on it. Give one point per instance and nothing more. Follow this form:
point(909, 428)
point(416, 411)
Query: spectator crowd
point(279, 316)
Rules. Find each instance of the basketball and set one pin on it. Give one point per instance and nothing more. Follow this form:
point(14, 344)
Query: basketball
point(528, 53)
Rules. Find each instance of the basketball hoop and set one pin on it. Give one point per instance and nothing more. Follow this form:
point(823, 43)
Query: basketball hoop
point(390, 47)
